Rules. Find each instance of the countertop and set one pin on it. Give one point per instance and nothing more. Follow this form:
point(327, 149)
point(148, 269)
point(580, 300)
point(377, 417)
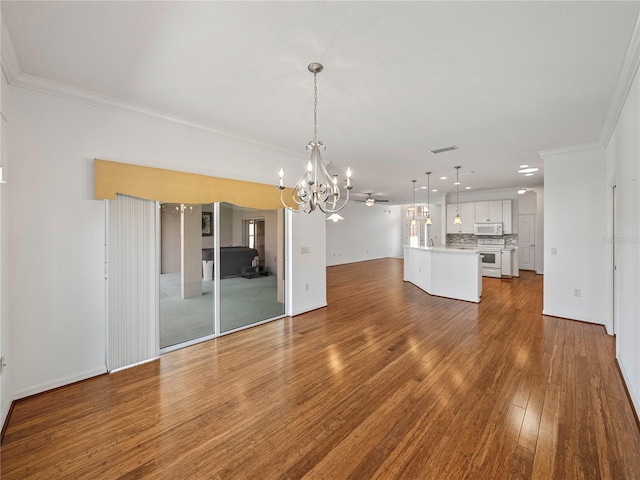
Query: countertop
point(478, 248)
point(458, 250)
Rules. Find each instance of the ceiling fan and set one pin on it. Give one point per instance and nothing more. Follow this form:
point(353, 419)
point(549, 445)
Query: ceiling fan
point(370, 201)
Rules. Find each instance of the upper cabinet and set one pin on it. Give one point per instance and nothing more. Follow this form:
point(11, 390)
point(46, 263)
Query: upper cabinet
point(507, 222)
point(488, 212)
point(494, 211)
point(467, 214)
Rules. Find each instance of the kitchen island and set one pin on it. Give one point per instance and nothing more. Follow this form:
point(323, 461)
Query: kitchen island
point(444, 272)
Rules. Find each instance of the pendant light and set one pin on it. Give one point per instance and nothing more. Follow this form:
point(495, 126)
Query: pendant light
point(428, 221)
point(457, 220)
point(413, 205)
point(414, 238)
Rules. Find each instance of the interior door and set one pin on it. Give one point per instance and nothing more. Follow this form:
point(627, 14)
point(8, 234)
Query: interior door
point(526, 242)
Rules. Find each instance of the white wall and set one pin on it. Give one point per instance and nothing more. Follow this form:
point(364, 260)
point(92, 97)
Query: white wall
point(366, 233)
point(54, 250)
point(527, 203)
point(307, 252)
point(539, 249)
point(623, 171)
point(5, 378)
point(575, 228)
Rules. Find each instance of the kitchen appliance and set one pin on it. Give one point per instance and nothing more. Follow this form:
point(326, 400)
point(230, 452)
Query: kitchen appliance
point(490, 250)
point(487, 229)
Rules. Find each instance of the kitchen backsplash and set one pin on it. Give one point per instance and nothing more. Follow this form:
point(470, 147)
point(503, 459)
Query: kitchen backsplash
point(470, 239)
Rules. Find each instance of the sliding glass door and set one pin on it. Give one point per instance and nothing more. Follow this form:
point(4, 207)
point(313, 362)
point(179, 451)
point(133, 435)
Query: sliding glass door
point(246, 283)
point(186, 283)
point(250, 252)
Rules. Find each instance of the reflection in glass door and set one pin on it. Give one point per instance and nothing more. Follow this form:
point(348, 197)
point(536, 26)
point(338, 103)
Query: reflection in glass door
point(248, 280)
point(249, 258)
point(186, 266)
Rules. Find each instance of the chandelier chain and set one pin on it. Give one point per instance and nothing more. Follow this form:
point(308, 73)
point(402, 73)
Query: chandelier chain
point(315, 106)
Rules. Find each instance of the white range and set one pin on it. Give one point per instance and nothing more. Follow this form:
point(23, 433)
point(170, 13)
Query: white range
point(490, 250)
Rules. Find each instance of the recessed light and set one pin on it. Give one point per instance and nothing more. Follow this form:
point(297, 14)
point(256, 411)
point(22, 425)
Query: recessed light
point(443, 178)
point(528, 170)
point(467, 188)
point(434, 190)
point(528, 174)
point(524, 166)
point(521, 191)
point(456, 183)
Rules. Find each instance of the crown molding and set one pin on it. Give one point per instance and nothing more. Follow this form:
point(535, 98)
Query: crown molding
point(17, 78)
point(625, 80)
point(574, 148)
point(10, 65)
point(628, 72)
point(87, 97)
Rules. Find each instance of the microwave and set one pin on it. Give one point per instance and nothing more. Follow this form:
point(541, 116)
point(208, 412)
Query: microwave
point(487, 229)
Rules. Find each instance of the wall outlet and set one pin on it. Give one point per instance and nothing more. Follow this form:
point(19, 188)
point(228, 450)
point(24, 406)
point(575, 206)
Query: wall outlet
point(577, 292)
point(554, 251)
point(304, 250)
point(306, 286)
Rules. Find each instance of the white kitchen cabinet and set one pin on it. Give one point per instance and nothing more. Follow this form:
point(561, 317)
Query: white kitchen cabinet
point(467, 213)
point(507, 256)
point(488, 212)
point(507, 222)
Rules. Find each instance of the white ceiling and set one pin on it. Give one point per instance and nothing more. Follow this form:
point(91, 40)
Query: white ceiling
point(501, 80)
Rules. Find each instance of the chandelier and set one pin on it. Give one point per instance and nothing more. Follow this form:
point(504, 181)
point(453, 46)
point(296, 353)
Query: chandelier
point(316, 188)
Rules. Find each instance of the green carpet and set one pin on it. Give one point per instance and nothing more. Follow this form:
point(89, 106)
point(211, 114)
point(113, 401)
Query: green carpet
point(243, 302)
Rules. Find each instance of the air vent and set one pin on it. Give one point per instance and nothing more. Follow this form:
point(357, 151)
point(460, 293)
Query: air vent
point(442, 150)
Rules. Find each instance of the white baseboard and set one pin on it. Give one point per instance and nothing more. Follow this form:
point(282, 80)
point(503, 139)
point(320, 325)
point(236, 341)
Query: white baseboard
point(135, 364)
point(309, 309)
point(635, 401)
point(571, 316)
point(60, 382)
point(4, 414)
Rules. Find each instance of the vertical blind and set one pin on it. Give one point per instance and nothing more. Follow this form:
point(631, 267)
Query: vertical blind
point(132, 276)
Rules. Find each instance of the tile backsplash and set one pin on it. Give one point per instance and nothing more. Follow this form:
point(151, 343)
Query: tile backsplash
point(471, 239)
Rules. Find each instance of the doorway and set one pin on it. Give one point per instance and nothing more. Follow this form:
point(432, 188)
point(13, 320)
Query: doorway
point(254, 237)
point(527, 242)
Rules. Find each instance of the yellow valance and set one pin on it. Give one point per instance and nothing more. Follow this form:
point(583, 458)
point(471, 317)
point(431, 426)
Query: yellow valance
point(169, 186)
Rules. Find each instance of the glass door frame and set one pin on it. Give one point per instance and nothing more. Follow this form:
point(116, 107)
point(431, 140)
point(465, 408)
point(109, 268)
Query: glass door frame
point(216, 282)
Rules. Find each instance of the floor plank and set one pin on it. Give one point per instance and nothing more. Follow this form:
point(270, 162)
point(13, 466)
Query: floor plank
point(386, 382)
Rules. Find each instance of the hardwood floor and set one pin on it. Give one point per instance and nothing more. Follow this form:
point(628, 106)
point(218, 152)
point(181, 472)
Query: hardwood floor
point(387, 382)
